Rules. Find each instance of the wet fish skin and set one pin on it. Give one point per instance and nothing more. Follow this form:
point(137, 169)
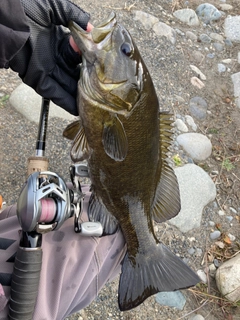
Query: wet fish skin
point(125, 138)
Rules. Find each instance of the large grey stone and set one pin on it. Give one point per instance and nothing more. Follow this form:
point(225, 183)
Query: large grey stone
point(196, 145)
point(232, 28)
point(163, 30)
point(228, 279)
point(187, 16)
point(173, 299)
point(145, 18)
point(26, 101)
point(208, 12)
point(196, 191)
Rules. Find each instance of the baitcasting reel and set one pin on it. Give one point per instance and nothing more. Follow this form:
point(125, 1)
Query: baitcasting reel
point(45, 202)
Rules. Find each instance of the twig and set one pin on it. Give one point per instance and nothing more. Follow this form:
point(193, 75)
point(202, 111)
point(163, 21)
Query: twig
point(235, 176)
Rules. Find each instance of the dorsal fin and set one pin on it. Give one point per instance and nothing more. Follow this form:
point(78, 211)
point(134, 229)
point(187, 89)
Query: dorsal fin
point(166, 203)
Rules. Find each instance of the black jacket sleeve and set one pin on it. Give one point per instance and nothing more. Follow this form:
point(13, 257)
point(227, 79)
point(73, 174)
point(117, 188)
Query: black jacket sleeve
point(14, 30)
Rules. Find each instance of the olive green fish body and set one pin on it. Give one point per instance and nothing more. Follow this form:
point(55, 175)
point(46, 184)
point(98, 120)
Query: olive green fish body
point(125, 138)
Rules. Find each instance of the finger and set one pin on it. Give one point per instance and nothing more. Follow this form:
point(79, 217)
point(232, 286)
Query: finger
point(64, 11)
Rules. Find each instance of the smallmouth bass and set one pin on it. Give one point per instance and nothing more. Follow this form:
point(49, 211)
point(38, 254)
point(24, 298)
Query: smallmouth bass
point(125, 138)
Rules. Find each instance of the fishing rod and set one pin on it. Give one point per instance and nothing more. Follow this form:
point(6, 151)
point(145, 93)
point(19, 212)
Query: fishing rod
point(44, 203)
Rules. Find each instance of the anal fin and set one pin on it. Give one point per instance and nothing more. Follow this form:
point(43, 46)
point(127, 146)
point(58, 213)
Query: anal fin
point(166, 203)
point(98, 212)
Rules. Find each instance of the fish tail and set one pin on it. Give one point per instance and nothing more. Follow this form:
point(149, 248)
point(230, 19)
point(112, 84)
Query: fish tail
point(147, 274)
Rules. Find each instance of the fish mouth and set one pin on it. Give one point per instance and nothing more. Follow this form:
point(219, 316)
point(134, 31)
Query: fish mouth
point(98, 38)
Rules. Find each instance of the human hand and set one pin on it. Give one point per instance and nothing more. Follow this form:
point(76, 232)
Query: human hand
point(48, 62)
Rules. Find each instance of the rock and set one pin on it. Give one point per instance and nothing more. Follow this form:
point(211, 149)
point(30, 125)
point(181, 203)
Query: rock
point(212, 270)
point(236, 86)
point(218, 46)
point(163, 30)
point(198, 72)
point(238, 57)
point(171, 299)
point(197, 317)
point(146, 19)
point(228, 279)
point(192, 36)
point(228, 43)
point(197, 83)
point(181, 125)
point(187, 16)
point(232, 28)
point(26, 101)
point(191, 122)
point(221, 68)
point(197, 56)
point(225, 6)
point(208, 13)
point(216, 36)
point(227, 61)
point(198, 108)
point(229, 218)
point(221, 212)
point(211, 223)
point(231, 237)
point(191, 251)
point(202, 276)
point(196, 145)
point(211, 55)
point(215, 235)
point(233, 210)
point(196, 190)
point(205, 38)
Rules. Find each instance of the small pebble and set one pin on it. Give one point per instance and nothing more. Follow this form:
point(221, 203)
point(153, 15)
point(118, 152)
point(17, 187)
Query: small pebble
point(233, 210)
point(198, 317)
point(202, 276)
point(211, 223)
point(221, 68)
point(229, 218)
point(212, 269)
point(215, 235)
point(231, 237)
point(211, 55)
point(191, 251)
point(221, 213)
point(198, 252)
point(216, 263)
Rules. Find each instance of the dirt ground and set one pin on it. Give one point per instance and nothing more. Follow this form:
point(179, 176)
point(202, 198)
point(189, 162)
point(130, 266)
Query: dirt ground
point(169, 68)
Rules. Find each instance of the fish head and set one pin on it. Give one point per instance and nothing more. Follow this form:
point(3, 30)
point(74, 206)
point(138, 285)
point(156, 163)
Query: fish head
point(112, 68)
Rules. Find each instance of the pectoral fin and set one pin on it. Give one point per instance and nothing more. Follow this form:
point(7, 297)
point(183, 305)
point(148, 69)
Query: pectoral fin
point(166, 204)
point(72, 129)
point(98, 212)
point(114, 139)
point(80, 148)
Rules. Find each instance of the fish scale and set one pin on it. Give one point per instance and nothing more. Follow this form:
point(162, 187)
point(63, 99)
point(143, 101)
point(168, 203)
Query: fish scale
point(125, 140)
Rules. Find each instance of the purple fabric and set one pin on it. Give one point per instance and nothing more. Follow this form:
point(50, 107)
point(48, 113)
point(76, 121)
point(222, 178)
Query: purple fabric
point(74, 267)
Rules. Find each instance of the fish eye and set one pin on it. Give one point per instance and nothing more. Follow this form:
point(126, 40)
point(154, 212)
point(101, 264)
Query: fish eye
point(126, 49)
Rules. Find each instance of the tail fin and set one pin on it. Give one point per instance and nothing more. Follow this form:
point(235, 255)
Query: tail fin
point(162, 271)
